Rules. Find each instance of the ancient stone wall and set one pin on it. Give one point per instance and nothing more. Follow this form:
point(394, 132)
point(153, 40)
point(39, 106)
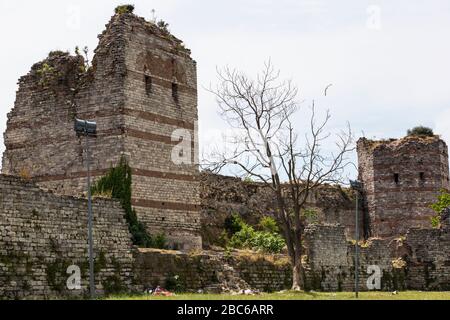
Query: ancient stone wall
point(429, 257)
point(331, 260)
point(213, 271)
point(222, 196)
point(419, 261)
point(141, 90)
point(42, 234)
point(402, 178)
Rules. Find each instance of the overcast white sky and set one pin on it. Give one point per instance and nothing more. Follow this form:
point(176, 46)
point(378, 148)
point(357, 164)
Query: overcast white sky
point(388, 60)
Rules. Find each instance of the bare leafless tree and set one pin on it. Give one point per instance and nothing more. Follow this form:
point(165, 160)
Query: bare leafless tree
point(266, 148)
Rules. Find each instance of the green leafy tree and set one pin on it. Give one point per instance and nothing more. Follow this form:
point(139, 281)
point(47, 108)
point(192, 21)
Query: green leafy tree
point(443, 202)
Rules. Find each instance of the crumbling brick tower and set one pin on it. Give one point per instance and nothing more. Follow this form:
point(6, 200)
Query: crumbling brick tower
point(401, 179)
point(141, 88)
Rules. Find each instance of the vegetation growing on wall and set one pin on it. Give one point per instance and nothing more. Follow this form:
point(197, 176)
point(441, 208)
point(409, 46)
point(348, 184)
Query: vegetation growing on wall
point(240, 235)
point(269, 224)
point(46, 74)
point(117, 184)
point(443, 202)
point(311, 215)
point(421, 131)
point(87, 64)
point(127, 8)
point(163, 26)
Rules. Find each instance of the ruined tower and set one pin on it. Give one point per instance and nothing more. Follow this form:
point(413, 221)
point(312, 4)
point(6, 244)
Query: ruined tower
point(402, 178)
point(142, 91)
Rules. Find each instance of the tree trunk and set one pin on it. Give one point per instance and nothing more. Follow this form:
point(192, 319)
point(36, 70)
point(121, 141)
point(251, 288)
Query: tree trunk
point(297, 275)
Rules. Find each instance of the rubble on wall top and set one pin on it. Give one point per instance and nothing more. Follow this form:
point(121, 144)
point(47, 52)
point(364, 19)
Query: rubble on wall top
point(58, 58)
point(215, 185)
point(57, 69)
point(30, 185)
point(395, 143)
point(159, 29)
point(62, 64)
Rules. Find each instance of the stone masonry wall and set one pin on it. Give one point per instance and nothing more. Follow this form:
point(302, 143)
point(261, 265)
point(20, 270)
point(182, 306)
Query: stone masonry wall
point(222, 196)
point(429, 257)
point(330, 260)
point(213, 271)
point(419, 261)
point(42, 234)
point(402, 178)
point(141, 90)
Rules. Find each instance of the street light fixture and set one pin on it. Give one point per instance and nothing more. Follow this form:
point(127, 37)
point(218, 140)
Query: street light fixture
point(357, 186)
point(88, 129)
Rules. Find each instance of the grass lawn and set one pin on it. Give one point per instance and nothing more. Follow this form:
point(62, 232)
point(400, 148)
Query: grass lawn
point(406, 295)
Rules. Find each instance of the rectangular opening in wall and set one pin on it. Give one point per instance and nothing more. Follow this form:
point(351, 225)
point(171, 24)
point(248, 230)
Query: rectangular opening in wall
point(148, 85)
point(396, 178)
point(175, 92)
point(422, 176)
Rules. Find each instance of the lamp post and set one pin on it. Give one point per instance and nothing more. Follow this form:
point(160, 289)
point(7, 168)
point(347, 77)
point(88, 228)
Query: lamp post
point(357, 186)
point(88, 129)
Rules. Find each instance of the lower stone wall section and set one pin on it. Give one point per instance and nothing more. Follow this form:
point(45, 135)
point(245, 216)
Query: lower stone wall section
point(429, 258)
point(42, 234)
point(419, 261)
point(213, 271)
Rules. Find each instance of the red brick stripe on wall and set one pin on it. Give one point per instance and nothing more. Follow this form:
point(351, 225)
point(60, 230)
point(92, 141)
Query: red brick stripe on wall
point(164, 175)
point(158, 80)
point(72, 175)
point(48, 141)
point(387, 191)
point(103, 134)
point(393, 167)
point(111, 113)
point(165, 205)
point(158, 118)
point(150, 136)
point(102, 172)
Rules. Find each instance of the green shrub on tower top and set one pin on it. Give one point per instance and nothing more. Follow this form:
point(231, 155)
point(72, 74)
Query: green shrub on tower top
point(420, 131)
point(127, 8)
